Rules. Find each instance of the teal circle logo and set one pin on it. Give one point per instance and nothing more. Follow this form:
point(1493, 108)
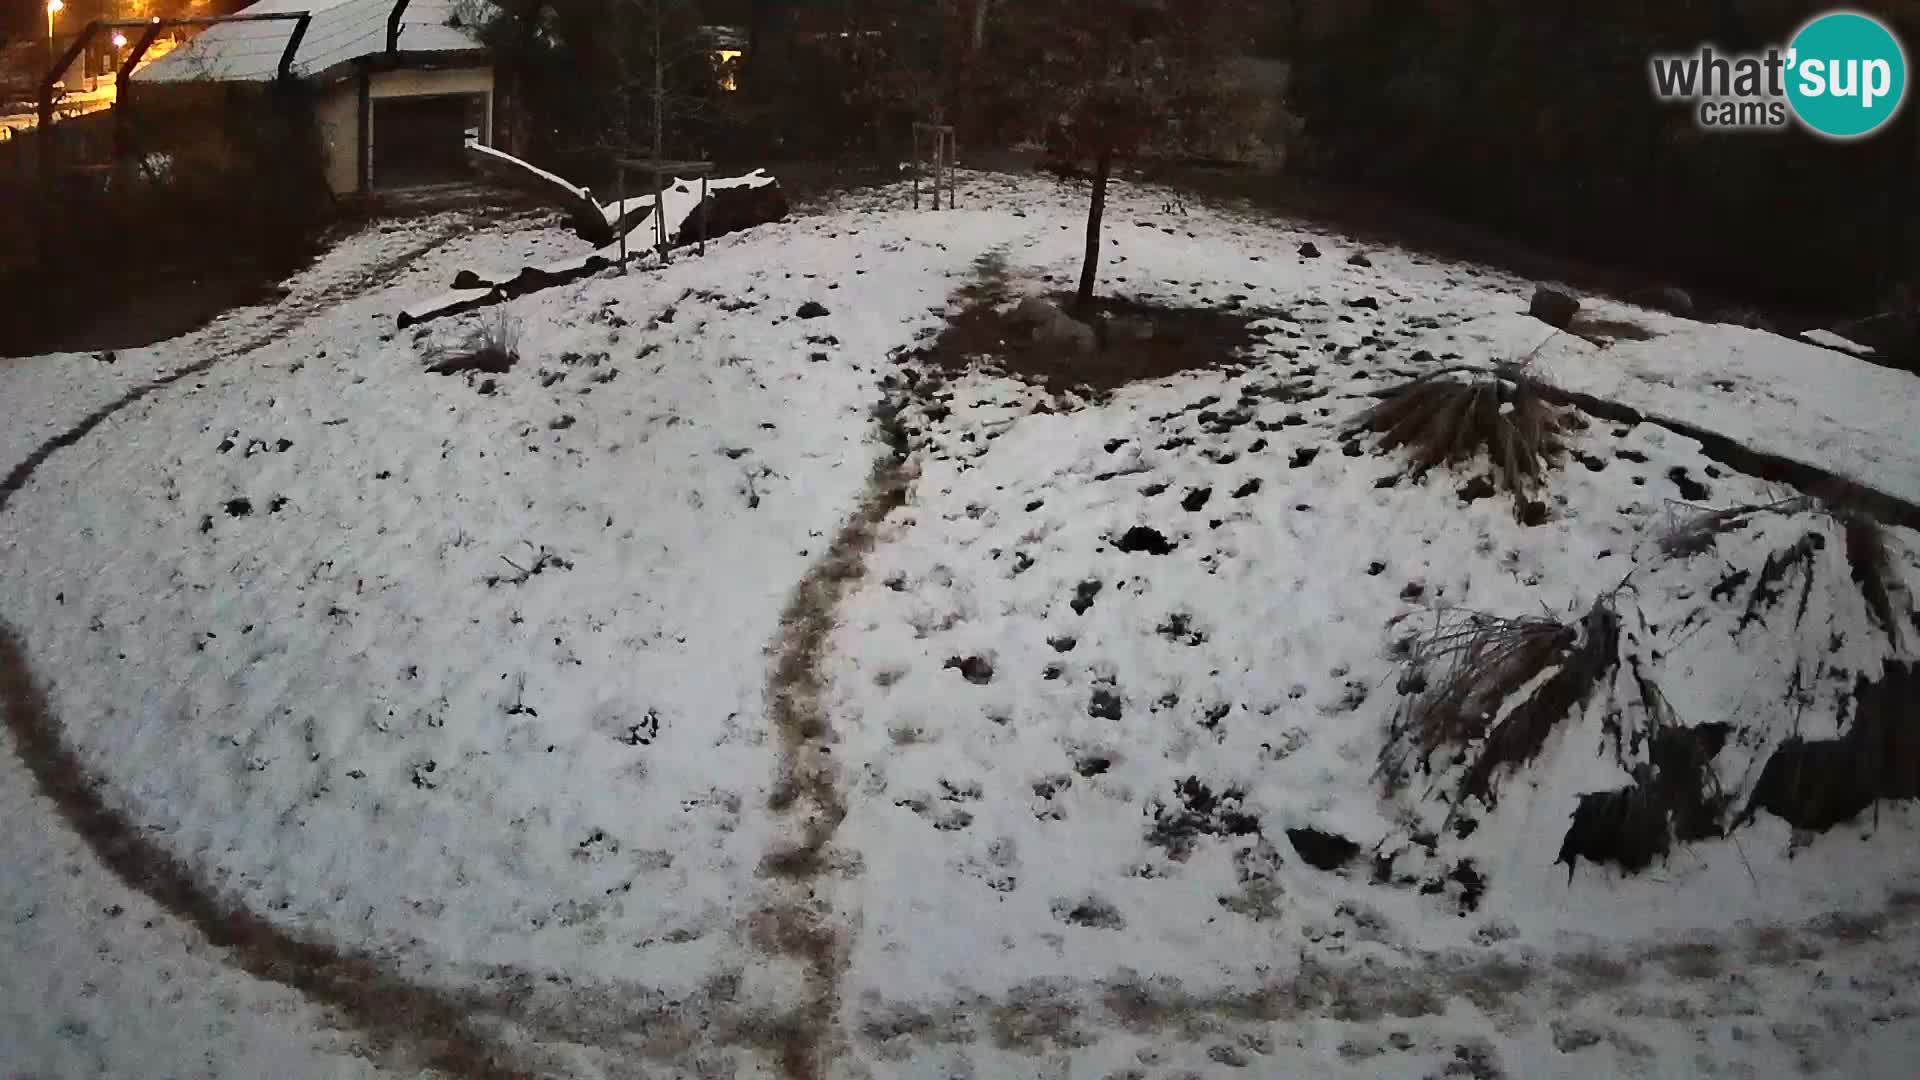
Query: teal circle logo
point(1847, 75)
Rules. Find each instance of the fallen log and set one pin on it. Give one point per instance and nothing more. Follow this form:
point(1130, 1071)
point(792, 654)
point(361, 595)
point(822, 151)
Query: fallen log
point(733, 204)
point(583, 213)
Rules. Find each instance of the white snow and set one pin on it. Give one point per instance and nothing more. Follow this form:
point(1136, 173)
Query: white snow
point(356, 709)
point(1788, 397)
point(1830, 340)
point(474, 146)
point(682, 199)
point(341, 30)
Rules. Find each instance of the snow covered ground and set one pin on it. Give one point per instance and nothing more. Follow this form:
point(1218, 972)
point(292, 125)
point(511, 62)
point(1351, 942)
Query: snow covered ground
point(471, 678)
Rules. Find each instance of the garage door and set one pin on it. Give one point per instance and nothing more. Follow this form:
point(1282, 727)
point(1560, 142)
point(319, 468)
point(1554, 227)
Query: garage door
point(421, 140)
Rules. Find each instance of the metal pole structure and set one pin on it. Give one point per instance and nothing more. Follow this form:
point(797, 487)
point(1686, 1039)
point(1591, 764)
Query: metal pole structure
point(293, 43)
point(914, 168)
point(123, 88)
point(393, 25)
point(703, 214)
point(620, 213)
point(659, 90)
point(659, 212)
point(45, 134)
point(140, 46)
point(53, 8)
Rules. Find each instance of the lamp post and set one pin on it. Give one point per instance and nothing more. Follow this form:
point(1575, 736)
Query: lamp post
point(54, 7)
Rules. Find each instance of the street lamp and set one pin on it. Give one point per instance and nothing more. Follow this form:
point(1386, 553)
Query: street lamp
point(54, 7)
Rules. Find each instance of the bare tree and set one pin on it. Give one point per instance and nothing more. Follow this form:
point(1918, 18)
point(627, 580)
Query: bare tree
point(1106, 79)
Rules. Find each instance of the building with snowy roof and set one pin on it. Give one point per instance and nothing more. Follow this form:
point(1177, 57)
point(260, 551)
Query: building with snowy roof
point(400, 86)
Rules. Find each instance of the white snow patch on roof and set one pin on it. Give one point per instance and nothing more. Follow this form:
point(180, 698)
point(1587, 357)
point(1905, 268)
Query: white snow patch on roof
point(341, 31)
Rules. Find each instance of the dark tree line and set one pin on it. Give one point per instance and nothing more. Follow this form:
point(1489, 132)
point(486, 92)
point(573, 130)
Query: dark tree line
point(1538, 119)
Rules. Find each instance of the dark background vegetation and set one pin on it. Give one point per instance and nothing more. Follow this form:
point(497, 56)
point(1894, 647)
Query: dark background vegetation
point(1520, 131)
point(1537, 119)
point(200, 219)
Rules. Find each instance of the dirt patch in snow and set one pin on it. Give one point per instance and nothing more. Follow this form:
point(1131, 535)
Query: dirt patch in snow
point(985, 330)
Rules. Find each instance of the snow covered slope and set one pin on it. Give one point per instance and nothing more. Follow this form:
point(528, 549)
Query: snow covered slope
point(470, 676)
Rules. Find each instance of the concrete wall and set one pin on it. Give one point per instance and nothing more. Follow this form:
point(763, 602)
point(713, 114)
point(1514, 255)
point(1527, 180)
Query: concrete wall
point(477, 80)
point(339, 113)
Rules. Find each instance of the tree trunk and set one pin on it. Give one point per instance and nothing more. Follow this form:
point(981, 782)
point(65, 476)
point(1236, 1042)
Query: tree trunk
point(1090, 267)
point(659, 90)
point(980, 23)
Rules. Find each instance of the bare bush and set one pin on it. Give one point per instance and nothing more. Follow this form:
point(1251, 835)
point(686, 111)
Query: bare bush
point(492, 347)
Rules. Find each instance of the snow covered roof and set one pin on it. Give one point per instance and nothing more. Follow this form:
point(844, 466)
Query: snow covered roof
point(342, 30)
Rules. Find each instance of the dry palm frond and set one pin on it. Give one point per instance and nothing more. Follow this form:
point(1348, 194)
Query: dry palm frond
point(1819, 783)
point(1485, 658)
point(1869, 557)
point(1592, 658)
point(1697, 533)
point(1871, 562)
point(1453, 414)
point(1486, 662)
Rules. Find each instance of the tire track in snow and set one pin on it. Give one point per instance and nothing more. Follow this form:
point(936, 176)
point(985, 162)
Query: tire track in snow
point(395, 1016)
point(457, 1032)
point(1702, 977)
point(430, 1028)
point(281, 320)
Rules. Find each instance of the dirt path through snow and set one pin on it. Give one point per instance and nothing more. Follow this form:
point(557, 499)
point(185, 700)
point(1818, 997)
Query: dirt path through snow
point(794, 921)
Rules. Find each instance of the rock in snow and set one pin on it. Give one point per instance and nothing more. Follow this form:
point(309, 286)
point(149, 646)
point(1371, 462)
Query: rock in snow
point(1554, 307)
